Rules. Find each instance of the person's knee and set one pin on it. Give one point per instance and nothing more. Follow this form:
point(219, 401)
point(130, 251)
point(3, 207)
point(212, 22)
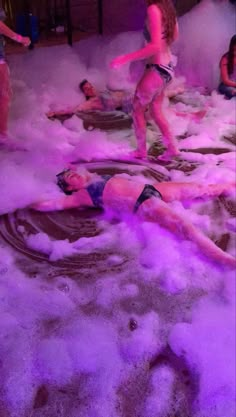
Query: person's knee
point(229, 94)
point(138, 107)
point(156, 111)
point(227, 91)
point(142, 97)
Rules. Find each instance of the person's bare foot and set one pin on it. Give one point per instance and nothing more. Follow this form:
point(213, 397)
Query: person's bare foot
point(137, 154)
point(168, 155)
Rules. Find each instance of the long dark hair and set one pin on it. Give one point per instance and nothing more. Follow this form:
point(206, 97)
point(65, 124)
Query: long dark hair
point(230, 55)
point(168, 17)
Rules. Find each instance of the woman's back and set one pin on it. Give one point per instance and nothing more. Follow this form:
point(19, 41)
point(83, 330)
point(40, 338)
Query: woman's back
point(159, 30)
point(224, 67)
point(228, 75)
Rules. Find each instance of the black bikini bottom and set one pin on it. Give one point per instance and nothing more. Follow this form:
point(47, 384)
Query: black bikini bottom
point(148, 192)
point(164, 73)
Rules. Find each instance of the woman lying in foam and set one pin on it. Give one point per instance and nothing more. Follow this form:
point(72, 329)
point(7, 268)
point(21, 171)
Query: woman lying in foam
point(150, 202)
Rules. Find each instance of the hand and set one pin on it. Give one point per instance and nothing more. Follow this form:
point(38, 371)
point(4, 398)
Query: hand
point(26, 41)
point(50, 114)
point(118, 62)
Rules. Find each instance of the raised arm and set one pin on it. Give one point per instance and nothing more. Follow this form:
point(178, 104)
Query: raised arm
point(154, 25)
point(224, 73)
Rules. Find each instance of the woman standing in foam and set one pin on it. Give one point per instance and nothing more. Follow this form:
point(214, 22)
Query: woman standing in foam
point(5, 91)
point(160, 31)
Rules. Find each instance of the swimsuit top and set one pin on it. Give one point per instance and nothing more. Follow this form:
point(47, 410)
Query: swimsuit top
point(95, 190)
point(2, 42)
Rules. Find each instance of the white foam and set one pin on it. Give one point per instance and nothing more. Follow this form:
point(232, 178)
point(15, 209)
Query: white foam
point(55, 329)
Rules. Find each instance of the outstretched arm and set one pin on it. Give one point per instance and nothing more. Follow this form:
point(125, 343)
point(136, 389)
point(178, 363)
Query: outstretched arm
point(78, 199)
point(157, 211)
point(68, 110)
point(6, 31)
point(93, 104)
point(154, 24)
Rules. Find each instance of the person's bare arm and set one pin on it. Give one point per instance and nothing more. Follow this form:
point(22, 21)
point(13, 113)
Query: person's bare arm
point(68, 110)
point(154, 24)
point(6, 31)
point(93, 104)
point(79, 199)
point(158, 211)
point(224, 73)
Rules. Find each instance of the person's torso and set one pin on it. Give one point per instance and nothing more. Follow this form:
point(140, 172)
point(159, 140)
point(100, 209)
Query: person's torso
point(116, 100)
point(95, 190)
point(125, 194)
point(163, 56)
point(108, 101)
point(224, 61)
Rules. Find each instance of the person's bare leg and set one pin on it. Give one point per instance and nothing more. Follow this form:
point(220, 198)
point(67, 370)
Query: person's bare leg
point(159, 118)
point(139, 121)
point(165, 216)
point(4, 110)
point(4, 98)
point(147, 87)
point(189, 191)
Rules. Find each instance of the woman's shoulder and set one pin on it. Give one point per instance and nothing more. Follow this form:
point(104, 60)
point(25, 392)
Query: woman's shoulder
point(153, 9)
point(224, 59)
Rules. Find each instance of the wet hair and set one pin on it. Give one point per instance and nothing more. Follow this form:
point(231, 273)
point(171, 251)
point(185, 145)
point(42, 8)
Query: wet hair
point(230, 55)
point(82, 84)
point(168, 17)
point(61, 182)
